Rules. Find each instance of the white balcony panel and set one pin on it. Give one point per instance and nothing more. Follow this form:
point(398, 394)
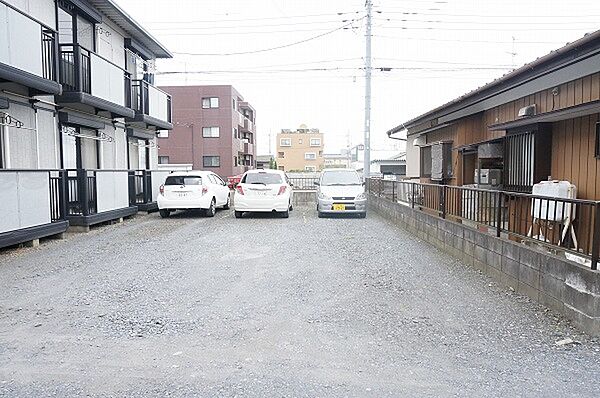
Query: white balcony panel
point(20, 41)
point(25, 199)
point(112, 190)
point(42, 10)
point(158, 103)
point(108, 81)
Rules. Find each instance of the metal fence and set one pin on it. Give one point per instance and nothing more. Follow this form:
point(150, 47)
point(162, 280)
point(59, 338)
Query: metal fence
point(572, 225)
point(304, 183)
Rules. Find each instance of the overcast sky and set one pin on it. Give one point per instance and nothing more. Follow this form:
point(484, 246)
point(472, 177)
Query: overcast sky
point(437, 50)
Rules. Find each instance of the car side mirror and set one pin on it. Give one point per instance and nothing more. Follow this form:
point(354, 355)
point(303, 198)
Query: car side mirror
point(317, 183)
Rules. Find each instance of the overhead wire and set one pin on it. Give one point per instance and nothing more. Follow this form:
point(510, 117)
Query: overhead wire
point(271, 48)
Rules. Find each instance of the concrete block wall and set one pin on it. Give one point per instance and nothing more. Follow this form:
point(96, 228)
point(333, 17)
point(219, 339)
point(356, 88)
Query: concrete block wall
point(563, 286)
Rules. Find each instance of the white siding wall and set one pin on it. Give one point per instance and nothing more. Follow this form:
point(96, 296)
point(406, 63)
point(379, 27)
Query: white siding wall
point(153, 156)
point(110, 45)
point(20, 41)
point(120, 148)
point(42, 10)
point(48, 145)
point(134, 156)
point(108, 150)
point(413, 163)
point(22, 142)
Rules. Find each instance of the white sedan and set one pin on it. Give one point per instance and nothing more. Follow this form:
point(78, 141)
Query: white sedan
point(193, 190)
point(263, 191)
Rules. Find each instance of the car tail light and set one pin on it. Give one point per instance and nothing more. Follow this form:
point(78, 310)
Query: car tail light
point(161, 189)
point(282, 190)
point(239, 189)
point(204, 189)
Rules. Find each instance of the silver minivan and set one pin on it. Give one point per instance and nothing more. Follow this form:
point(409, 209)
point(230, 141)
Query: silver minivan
point(341, 191)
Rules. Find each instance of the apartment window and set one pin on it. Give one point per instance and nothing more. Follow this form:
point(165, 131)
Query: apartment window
point(281, 155)
point(210, 132)
point(210, 102)
point(285, 142)
point(233, 101)
point(315, 142)
point(163, 160)
point(235, 132)
point(310, 168)
point(518, 161)
point(310, 156)
point(211, 161)
point(597, 152)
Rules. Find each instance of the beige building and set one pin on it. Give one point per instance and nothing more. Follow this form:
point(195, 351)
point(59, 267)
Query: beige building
point(300, 150)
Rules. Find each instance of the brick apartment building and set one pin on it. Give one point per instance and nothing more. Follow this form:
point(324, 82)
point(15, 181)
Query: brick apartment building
point(301, 149)
point(213, 129)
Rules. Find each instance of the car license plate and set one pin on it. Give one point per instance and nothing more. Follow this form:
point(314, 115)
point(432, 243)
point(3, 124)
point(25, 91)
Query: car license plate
point(339, 207)
point(182, 194)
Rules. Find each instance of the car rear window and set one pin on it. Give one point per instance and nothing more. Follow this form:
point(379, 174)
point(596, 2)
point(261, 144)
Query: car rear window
point(262, 178)
point(183, 180)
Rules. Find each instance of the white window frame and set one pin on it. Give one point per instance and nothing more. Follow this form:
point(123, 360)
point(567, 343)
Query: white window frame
point(287, 140)
point(210, 102)
point(209, 132)
point(313, 140)
point(310, 168)
point(308, 157)
point(163, 134)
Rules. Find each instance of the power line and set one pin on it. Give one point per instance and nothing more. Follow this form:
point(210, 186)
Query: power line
point(254, 19)
point(271, 48)
point(528, 23)
point(468, 41)
point(483, 29)
point(253, 26)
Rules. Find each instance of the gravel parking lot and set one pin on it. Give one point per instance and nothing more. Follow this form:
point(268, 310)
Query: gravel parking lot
point(264, 306)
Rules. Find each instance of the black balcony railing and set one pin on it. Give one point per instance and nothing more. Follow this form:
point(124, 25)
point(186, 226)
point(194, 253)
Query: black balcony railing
point(140, 98)
point(140, 187)
point(81, 192)
point(570, 225)
point(76, 71)
point(48, 54)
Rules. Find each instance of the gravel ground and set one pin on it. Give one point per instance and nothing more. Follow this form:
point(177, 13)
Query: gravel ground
point(264, 306)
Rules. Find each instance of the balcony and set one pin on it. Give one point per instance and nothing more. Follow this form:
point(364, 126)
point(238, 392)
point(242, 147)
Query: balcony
point(32, 205)
point(247, 126)
point(27, 52)
point(152, 106)
point(89, 79)
point(248, 148)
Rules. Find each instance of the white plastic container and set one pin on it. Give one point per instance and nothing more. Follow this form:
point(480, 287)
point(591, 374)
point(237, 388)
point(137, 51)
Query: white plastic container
point(551, 210)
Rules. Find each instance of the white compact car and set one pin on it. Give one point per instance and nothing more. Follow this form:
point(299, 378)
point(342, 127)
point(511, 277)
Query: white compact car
point(193, 190)
point(263, 191)
point(341, 191)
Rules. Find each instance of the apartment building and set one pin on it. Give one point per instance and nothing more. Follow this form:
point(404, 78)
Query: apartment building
point(79, 115)
point(300, 149)
point(215, 130)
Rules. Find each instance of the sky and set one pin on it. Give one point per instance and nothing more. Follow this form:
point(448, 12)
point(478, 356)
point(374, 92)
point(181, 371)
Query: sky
point(302, 61)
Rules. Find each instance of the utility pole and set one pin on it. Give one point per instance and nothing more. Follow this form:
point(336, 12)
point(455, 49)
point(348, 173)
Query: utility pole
point(367, 153)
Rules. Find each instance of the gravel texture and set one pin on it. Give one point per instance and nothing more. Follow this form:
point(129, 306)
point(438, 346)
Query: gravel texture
point(264, 306)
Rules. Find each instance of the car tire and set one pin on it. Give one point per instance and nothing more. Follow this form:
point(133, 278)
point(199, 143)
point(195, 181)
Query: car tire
point(226, 206)
point(284, 214)
point(320, 214)
point(238, 214)
point(210, 212)
point(291, 206)
point(362, 215)
point(164, 213)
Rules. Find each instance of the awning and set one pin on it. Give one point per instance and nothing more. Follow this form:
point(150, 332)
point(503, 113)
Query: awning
point(80, 119)
point(572, 112)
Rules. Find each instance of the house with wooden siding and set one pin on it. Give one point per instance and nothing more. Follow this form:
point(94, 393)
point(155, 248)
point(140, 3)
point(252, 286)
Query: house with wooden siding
point(538, 123)
point(544, 114)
